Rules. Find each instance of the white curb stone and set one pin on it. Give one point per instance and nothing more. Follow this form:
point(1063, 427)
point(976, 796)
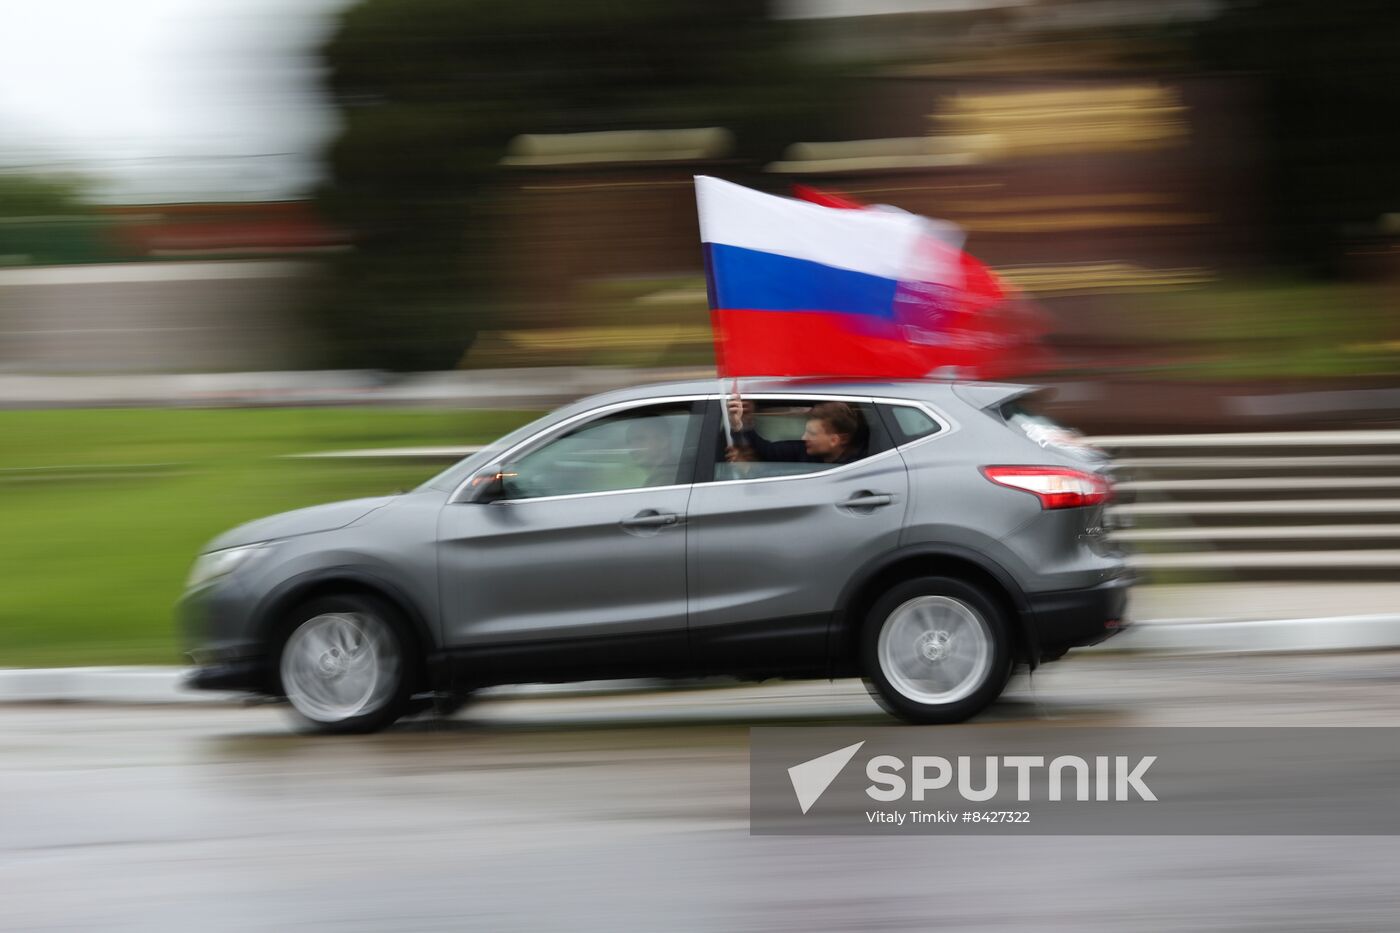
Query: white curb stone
point(1201, 636)
point(155, 685)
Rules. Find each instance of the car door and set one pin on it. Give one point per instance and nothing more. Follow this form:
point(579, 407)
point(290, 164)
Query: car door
point(771, 546)
point(579, 566)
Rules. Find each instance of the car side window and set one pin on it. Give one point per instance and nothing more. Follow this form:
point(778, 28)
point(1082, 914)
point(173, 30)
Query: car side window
point(794, 437)
point(633, 449)
point(910, 423)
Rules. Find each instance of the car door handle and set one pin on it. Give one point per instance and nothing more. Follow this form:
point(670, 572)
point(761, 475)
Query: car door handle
point(651, 518)
point(868, 500)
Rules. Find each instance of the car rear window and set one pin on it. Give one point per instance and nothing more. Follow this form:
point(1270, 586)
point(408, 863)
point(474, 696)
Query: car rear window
point(1039, 427)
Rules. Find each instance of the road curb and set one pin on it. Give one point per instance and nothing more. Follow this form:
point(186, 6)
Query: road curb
point(134, 685)
point(1272, 636)
point(162, 685)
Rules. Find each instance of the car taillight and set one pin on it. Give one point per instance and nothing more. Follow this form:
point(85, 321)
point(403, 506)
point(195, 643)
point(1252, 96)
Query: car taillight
point(1055, 487)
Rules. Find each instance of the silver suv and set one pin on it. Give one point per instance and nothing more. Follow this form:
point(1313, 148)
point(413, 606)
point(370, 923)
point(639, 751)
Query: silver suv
point(632, 534)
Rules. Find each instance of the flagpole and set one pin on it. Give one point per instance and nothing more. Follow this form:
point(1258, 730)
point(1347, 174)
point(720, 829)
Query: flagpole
point(724, 411)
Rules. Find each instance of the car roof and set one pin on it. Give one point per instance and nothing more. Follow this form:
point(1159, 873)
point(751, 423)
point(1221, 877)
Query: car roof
point(974, 393)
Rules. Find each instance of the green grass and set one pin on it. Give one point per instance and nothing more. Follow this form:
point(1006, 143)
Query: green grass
point(92, 560)
point(1272, 329)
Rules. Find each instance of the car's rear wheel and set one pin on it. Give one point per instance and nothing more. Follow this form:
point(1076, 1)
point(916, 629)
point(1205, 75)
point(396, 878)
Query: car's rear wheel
point(345, 665)
point(936, 650)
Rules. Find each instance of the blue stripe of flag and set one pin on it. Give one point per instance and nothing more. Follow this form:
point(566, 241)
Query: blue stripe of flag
point(757, 281)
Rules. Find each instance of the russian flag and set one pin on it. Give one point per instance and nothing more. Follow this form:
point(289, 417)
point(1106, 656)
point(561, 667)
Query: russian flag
point(801, 289)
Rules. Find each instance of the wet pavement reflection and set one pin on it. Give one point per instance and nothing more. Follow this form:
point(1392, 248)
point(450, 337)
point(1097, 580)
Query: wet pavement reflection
point(630, 812)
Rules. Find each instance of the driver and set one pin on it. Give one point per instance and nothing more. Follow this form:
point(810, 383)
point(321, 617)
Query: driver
point(653, 449)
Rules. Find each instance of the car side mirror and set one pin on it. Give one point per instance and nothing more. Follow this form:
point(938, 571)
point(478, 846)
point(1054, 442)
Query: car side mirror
point(489, 485)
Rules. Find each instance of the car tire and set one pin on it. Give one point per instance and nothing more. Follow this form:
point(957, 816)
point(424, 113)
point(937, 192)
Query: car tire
point(936, 650)
point(346, 665)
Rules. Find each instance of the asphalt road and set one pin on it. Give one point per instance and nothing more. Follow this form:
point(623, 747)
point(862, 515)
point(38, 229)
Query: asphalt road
point(629, 812)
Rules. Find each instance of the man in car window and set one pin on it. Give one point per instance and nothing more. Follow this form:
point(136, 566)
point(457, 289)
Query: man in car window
point(833, 434)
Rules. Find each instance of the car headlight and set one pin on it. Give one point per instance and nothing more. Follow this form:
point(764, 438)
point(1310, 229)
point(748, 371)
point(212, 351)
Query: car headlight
point(215, 564)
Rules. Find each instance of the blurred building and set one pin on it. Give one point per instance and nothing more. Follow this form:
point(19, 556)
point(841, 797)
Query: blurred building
point(240, 229)
point(169, 287)
point(153, 317)
point(1065, 137)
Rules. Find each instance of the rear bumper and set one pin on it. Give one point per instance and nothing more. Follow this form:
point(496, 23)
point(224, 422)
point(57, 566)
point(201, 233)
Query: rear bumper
point(1066, 619)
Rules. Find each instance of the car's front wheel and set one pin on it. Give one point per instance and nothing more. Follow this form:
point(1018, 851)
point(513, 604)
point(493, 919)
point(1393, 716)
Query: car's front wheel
point(936, 650)
point(344, 665)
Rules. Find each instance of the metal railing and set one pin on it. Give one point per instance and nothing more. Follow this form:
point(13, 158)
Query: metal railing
point(1275, 504)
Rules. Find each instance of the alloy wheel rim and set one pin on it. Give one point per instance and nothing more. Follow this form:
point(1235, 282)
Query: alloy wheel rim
point(337, 666)
point(935, 650)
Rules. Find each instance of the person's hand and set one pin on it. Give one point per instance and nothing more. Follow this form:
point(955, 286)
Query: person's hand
point(740, 414)
point(735, 454)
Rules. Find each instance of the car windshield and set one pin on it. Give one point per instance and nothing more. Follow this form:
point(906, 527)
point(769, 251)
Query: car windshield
point(453, 476)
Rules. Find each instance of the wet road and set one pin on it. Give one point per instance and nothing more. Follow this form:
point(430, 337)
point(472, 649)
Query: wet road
point(629, 812)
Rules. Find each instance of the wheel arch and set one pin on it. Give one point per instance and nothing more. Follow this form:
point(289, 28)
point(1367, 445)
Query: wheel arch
point(921, 561)
point(273, 611)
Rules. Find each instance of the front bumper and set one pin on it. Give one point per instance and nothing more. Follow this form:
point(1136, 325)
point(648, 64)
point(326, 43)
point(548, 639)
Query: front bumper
point(249, 674)
point(216, 626)
point(1066, 619)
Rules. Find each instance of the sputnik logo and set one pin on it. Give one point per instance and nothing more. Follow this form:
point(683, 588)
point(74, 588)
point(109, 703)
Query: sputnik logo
point(811, 778)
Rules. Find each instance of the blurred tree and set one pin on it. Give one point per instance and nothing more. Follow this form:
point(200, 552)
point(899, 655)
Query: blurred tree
point(431, 91)
point(42, 196)
point(1333, 77)
point(47, 219)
